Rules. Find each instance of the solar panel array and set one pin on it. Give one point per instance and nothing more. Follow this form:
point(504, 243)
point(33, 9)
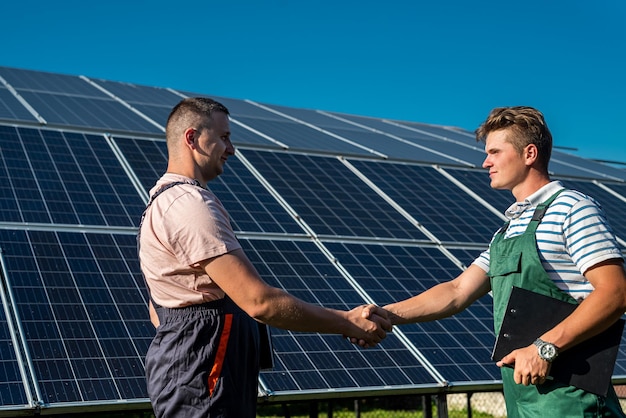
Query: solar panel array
point(337, 209)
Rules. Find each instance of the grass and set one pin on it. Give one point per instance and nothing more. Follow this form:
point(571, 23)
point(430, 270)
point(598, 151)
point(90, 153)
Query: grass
point(378, 408)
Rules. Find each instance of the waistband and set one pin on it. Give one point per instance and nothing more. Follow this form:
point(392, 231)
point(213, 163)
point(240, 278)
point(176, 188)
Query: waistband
point(219, 306)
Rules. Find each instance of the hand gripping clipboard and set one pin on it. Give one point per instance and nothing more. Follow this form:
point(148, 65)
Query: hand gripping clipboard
point(588, 365)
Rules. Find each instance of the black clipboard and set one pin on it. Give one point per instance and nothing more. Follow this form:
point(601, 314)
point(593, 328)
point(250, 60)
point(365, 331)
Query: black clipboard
point(588, 365)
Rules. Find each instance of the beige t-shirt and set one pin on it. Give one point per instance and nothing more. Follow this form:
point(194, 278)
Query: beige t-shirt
point(185, 225)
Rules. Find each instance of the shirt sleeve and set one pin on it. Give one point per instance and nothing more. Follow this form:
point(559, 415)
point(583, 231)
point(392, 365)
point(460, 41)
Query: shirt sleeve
point(588, 236)
point(198, 228)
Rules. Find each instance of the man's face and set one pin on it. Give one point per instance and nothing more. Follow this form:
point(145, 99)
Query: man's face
point(507, 168)
point(214, 147)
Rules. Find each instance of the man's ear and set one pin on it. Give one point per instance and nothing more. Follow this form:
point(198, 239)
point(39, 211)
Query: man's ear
point(531, 154)
point(190, 137)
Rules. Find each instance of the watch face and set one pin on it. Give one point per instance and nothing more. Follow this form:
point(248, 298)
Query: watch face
point(548, 351)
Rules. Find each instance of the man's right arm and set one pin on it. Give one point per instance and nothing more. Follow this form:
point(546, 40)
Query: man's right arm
point(442, 300)
point(236, 276)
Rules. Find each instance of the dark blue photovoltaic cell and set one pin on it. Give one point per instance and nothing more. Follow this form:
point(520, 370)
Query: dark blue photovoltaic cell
point(12, 109)
point(613, 206)
point(301, 137)
point(155, 103)
point(461, 150)
point(593, 168)
point(104, 114)
point(21, 79)
point(467, 256)
point(459, 346)
point(451, 133)
point(395, 149)
point(249, 204)
point(80, 297)
point(64, 178)
point(241, 135)
point(314, 117)
point(434, 201)
point(69, 100)
point(147, 158)
point(11, 386)
point(617, 188)
point(138, 94)
point(241, 109)
point(367, 138)
point(478, 182)
point(83, 308)
point(310, 361)
point(330, 198)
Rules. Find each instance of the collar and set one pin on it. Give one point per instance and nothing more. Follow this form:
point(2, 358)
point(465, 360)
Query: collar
point(516, 209)
point(169, 178)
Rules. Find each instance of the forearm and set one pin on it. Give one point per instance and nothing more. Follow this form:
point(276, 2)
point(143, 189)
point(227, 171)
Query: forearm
point(598, 311)
point(442, 300)
point(433, 304)
point(594, 315)
point(282, 310)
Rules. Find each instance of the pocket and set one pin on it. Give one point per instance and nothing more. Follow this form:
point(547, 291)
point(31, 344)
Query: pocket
point(505, 265)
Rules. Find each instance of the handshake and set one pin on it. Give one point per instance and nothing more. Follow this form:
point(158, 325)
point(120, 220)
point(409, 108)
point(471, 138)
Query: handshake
point(370, 325)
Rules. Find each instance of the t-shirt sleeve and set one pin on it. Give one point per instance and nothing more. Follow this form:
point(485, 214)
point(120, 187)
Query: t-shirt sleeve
point(199, 228)
point(588, 236)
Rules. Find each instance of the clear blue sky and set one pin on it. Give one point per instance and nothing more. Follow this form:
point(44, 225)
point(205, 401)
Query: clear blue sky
point(439, 61)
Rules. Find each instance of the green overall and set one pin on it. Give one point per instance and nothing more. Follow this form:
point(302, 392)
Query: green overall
point(515, 262)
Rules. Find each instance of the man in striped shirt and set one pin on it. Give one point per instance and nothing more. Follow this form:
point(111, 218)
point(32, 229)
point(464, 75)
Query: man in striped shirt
point(571, 255)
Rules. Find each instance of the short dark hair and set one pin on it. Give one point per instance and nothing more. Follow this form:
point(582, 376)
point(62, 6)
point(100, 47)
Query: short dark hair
point(528, 126)
point(194, 112)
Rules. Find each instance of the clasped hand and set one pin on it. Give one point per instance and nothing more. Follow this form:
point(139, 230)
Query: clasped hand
point(373, 322)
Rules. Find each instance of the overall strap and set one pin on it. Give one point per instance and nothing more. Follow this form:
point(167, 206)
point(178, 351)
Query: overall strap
point(143, 215)
point(541, 210)
point(538, 215)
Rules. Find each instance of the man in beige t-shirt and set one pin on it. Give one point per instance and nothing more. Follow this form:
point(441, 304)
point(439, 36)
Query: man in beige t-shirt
point(206, 297)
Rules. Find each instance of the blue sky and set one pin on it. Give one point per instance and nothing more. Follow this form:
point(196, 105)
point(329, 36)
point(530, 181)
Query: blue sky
point(443, 62)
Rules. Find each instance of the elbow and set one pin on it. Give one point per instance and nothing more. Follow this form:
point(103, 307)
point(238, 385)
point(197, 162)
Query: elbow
point(263, 307)
point(259, 310)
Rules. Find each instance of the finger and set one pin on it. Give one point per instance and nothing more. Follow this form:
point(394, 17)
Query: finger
point(383, 323)
point(375, 309)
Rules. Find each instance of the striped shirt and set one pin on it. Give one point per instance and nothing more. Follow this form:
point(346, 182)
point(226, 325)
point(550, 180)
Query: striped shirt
point(573, 236)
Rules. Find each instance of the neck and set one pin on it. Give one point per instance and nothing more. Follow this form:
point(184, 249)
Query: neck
point(528, 187)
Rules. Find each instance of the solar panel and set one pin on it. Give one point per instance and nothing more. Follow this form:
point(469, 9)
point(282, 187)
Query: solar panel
point(592, 168)
point(65, 178)
point(612, 205)
point(460, 151)
point(83, 312)
point(478, 182)
point(12, 391)
point(69, 100)
point(12, 109)
point(251, 207)
point(336, 209)
point(458, 347)
point(310, 361)
point(301, 137)
point(330, 198)
point(435, 202)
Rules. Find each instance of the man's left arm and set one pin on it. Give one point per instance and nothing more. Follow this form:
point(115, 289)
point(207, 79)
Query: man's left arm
point(604, 305)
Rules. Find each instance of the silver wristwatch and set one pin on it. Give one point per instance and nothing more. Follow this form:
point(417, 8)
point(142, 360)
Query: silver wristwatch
point(546, 351)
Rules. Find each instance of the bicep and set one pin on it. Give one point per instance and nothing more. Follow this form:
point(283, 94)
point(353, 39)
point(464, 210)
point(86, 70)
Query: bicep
point(470, 285)
point(236, 276)
point(608, 277)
